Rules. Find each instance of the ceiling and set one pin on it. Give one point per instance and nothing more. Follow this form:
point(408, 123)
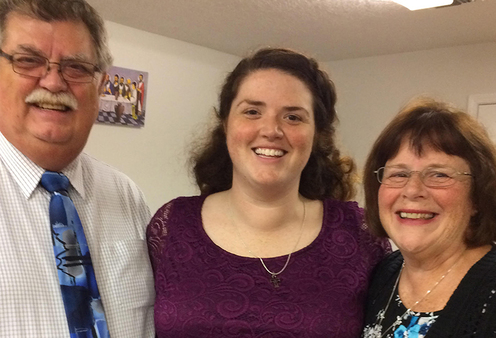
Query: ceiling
point(327, 29)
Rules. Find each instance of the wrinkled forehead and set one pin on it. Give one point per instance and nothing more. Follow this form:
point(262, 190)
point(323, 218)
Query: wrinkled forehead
point(32, 32)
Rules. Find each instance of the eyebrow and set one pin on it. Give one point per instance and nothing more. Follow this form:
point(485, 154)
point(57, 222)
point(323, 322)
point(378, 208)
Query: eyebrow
point(33, 50)
point(30, 49)
point(262, 104)
point(431, 166)
point(251, 102)
point(77, 57)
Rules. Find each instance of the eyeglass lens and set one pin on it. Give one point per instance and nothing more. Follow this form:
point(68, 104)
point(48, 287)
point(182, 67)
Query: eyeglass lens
point(434, 177)
point(38, 66)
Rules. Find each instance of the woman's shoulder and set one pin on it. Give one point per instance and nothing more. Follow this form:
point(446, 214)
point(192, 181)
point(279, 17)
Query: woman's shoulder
point(348, 216)
point(175, 210)
point(162, 223)
point(179, 204)
point(481, 277)
point(348, 213)
point(338, 211)
point(334, 203)
point(476, 296)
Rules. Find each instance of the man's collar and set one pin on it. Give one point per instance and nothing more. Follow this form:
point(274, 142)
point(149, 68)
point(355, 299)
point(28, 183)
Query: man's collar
point(27, 174)
point(74, 171)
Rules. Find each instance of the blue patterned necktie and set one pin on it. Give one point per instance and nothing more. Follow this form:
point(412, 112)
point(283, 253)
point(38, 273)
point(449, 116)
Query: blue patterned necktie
point(82, 302)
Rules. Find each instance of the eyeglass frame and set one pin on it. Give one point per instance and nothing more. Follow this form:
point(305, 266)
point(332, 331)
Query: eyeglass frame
point(422, 176)
point(60, 64)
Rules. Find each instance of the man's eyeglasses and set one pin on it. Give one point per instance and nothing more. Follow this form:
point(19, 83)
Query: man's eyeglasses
point(37, 66)
point(432, 177)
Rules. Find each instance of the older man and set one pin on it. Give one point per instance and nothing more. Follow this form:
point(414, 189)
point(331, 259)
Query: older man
point(53, 58)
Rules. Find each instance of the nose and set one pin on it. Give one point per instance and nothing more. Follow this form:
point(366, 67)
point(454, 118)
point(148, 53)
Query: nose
point(414, 187)
point(271, 128)
point(53, 80)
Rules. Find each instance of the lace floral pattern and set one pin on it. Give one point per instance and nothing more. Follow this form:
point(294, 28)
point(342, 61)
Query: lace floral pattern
point(204, 291)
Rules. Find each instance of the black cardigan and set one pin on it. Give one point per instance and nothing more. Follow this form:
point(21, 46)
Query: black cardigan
point(471, 310)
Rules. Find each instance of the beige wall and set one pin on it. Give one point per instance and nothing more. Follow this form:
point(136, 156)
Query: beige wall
point(182, 88)
point(184, 81)
point(372, 90)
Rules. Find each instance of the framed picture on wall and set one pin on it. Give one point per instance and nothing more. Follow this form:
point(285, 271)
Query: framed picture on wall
point(123, 101)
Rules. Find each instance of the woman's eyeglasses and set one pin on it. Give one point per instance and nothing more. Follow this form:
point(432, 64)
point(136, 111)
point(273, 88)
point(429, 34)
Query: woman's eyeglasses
point(432, 177)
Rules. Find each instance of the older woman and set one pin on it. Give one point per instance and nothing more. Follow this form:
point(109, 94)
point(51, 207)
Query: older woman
point(270, 248)
point(430, 185)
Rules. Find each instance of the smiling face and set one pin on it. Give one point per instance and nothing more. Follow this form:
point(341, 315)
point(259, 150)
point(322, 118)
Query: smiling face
point(49, 133)
point(270, 130)
point(422, 220)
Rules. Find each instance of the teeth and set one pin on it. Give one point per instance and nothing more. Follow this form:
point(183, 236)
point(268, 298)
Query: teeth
point(51, 106)
point(414, 215)
point(269, 152)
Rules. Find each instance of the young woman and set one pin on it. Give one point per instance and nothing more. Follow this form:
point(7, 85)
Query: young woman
point(270, 248)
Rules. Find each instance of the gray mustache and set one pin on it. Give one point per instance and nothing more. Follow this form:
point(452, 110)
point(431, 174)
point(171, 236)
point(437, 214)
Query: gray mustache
point(40, 96)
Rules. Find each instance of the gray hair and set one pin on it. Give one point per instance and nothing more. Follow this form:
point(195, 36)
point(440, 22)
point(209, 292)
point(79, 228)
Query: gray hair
point(62, 10)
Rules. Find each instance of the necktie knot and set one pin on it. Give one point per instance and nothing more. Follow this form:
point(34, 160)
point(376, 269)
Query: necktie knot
point(53, 181)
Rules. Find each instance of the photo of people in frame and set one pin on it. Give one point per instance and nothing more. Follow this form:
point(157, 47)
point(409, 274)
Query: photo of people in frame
point(123, 101)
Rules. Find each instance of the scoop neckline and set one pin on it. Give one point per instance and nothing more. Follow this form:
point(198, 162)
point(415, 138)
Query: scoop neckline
point(207, 238)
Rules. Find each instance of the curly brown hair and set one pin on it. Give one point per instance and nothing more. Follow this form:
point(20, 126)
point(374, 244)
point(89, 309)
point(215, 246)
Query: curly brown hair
point(426, 122)
point(327, 173)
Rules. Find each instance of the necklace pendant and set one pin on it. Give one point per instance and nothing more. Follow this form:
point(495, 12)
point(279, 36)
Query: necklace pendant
point(276, 281)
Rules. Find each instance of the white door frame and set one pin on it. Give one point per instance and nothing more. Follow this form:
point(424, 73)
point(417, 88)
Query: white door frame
point(476, 100)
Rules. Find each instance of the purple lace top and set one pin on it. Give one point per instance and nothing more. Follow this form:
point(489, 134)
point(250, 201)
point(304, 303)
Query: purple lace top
point(204, 291)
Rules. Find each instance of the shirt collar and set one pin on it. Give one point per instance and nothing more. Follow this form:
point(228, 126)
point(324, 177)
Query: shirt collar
point(27, 174)
point(74, 172)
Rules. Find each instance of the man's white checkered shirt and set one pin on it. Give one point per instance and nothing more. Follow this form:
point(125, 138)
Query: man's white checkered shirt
point(114, 217)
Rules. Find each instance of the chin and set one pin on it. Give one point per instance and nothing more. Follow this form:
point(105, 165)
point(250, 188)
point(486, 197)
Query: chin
point(54, 133)
point(54, 139)
point(410, 243)
point(415, 247)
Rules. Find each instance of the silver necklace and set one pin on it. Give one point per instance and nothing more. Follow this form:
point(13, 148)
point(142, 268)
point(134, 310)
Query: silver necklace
point(376, 329)
point(274, 276)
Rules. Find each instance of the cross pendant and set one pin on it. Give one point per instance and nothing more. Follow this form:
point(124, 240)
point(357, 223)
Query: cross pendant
point(276, 281)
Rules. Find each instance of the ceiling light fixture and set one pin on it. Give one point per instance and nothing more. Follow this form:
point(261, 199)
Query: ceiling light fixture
point(413, 5)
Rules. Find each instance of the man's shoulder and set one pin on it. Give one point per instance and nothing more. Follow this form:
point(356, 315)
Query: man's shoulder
point(94, 169)
point(101, 180)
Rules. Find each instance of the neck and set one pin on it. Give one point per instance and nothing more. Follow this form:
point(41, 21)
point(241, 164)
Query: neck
point(263, 213)
point(443, 260)
point(266, 229)
point(268, 192)
point(427, 285)
point(433, 262)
